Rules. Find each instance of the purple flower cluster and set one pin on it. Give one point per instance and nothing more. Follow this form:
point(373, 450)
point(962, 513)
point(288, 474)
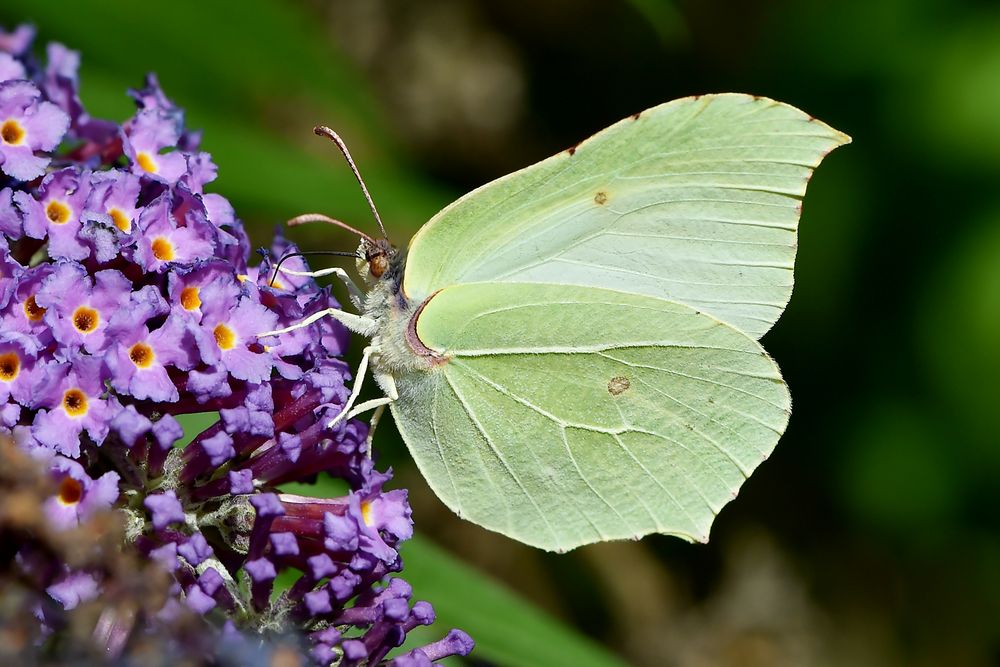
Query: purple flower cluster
point(126, 300)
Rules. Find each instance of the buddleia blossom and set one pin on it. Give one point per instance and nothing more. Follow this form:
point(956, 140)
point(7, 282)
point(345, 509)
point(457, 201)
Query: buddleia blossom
point(90, 602)
point(127, 301)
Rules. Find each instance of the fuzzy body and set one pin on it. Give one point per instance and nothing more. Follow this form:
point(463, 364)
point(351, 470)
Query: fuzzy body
point(394, 336)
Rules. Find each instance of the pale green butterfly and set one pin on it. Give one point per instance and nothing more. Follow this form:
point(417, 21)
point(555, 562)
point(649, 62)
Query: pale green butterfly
point(570, 352)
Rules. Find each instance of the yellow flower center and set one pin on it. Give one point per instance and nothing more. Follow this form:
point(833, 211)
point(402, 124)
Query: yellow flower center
point(190, 298)
point(163, 249)
point(11, 132)
point(121, 220)
point(70, 491)
point(57, 212)
point(225, 337)
point(74, 402)
point(10, 366)
point(146, 162)
point(32, 310)
point(366, 512)
point(85, 319)
point(141, 355)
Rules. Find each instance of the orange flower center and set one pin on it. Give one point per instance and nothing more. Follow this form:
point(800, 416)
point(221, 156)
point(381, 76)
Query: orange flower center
point(32, 310)
point(163, 249)
point(190, 298)
point(57, 212)
point(85, 319)
point(146, 161)
point(12, 132)
point(121, 220)
point(141, 355)
point(225, 337)
point(74, 402)
point(10, 366)
point(70, 491)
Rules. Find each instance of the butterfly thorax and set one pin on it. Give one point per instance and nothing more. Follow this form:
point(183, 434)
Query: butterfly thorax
point(399, 349)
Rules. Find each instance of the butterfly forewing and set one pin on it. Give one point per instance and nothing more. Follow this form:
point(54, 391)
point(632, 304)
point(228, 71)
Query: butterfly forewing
point(696, 201)
point(565, 415)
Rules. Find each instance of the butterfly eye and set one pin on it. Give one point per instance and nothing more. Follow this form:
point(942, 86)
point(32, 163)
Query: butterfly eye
point(377, 265)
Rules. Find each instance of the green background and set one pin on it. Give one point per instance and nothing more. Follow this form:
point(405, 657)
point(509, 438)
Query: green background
point(871, 537)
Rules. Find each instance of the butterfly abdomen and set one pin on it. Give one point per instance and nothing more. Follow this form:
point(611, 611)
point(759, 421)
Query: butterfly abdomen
point(400, 349)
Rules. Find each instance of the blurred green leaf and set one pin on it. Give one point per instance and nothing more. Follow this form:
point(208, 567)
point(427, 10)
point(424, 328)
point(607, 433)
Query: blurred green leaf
point(508, 630)
point(664, 18)
point(956, 106)
point(959, 333)
point(897, 473)
point(193, 424)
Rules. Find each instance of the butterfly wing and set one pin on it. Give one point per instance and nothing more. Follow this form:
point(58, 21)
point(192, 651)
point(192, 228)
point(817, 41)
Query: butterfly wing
point(565, 415)
point(696, 201)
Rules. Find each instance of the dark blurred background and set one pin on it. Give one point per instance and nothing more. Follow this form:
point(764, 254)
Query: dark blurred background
point(871, 537)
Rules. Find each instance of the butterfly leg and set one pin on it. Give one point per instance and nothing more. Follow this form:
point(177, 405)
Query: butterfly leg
point(375, 403)
point(359, 324)
point(388, 385)
point(356, 390)
point(372, 425)
point(356, 295)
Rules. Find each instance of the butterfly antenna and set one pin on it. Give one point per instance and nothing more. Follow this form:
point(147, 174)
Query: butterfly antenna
point(290, 255)
point(324, 131)
point(319, 217)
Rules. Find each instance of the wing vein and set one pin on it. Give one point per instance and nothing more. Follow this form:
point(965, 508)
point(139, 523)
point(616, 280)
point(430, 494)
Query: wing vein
point(674, 237)
point(444, 459)
point(673, 499)
point(588, 349)
point(503, 462)
point(583, 478)
point(701, 379)
point(718, 446)
point(632, 428)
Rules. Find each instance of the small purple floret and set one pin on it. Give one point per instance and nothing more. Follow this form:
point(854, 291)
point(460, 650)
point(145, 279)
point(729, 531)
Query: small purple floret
point(30, 125)
point(165, 509)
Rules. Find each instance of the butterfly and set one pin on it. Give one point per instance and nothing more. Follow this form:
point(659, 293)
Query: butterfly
point(570, 352)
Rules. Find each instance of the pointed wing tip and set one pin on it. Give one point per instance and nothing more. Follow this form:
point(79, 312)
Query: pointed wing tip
point(839, 138)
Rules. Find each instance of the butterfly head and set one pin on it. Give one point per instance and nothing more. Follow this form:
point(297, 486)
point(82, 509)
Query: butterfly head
point(378, 256)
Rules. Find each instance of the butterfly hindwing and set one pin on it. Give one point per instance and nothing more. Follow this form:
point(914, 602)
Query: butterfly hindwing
point(696, 201)
point(564, 415)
